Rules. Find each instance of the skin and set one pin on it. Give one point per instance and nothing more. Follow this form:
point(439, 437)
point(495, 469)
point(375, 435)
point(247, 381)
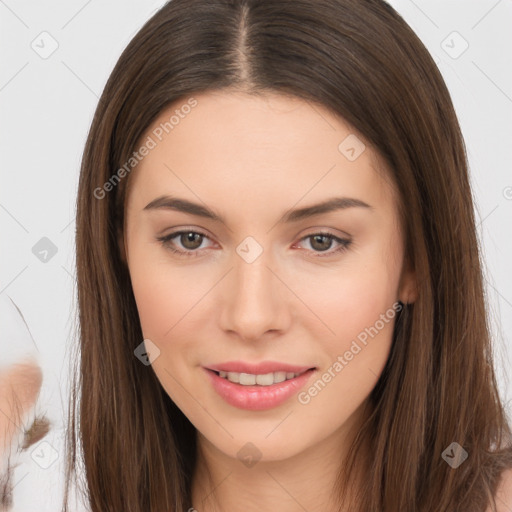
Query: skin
point(504, 493)
point(19, 388)
point(252, 159)
point(20, 384)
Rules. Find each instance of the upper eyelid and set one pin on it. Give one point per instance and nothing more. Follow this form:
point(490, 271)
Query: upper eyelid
point(325, 232)
point(315, 231)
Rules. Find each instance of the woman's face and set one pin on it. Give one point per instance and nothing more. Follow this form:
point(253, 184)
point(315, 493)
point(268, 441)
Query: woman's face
point(263, 274)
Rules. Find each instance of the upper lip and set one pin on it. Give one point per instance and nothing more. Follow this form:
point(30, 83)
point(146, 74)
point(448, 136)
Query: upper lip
point(257, 368)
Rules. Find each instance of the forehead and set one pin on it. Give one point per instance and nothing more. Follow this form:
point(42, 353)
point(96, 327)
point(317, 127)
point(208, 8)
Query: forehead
point(233, 145)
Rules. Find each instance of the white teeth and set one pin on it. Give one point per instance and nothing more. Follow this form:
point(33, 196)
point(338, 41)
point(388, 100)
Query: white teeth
point(279, 376)
point(264, 380)
point(249, 379)
point(233, 377)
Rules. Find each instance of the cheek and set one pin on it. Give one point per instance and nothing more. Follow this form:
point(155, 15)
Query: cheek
point(170, 301)
point(159, 293)
point(362, 317)
point(154, 300)
point(357, 306)
point(349, 301)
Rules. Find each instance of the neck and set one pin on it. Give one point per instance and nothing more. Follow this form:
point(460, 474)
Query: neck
point(304, 481)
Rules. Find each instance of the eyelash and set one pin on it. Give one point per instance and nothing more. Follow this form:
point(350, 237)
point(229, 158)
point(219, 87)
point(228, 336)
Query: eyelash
point(165, 241)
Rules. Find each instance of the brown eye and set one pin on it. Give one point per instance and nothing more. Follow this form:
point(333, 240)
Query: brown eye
point(321, 242)
point(184, 243)
point(191, 240)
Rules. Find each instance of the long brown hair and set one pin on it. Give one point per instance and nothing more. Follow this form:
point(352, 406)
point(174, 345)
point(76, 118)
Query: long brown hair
point(361, 60)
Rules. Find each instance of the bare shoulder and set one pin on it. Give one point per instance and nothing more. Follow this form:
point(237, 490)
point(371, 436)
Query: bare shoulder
point(504, 493)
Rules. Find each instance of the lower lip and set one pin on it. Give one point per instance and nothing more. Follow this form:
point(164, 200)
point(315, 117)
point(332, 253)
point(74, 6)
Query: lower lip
point(257, 398)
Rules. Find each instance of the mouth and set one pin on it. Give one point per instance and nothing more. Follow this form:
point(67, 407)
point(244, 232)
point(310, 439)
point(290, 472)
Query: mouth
point(264, 379)
point(259, 389)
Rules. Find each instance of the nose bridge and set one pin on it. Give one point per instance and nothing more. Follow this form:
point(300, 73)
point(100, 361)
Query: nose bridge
point(253, 303)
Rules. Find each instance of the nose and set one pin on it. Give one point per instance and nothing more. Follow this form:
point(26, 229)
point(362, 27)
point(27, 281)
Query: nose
point(254, 300)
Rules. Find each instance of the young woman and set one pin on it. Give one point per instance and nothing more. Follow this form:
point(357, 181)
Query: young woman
point(281, 302)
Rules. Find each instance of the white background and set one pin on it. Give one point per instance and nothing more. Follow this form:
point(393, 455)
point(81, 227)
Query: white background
point(46, 109)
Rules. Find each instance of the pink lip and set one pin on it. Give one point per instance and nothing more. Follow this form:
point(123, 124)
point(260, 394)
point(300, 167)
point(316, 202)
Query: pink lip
point(257, 398)
point(257, 369)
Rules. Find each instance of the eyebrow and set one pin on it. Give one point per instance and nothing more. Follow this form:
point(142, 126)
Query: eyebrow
point(185, 206)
